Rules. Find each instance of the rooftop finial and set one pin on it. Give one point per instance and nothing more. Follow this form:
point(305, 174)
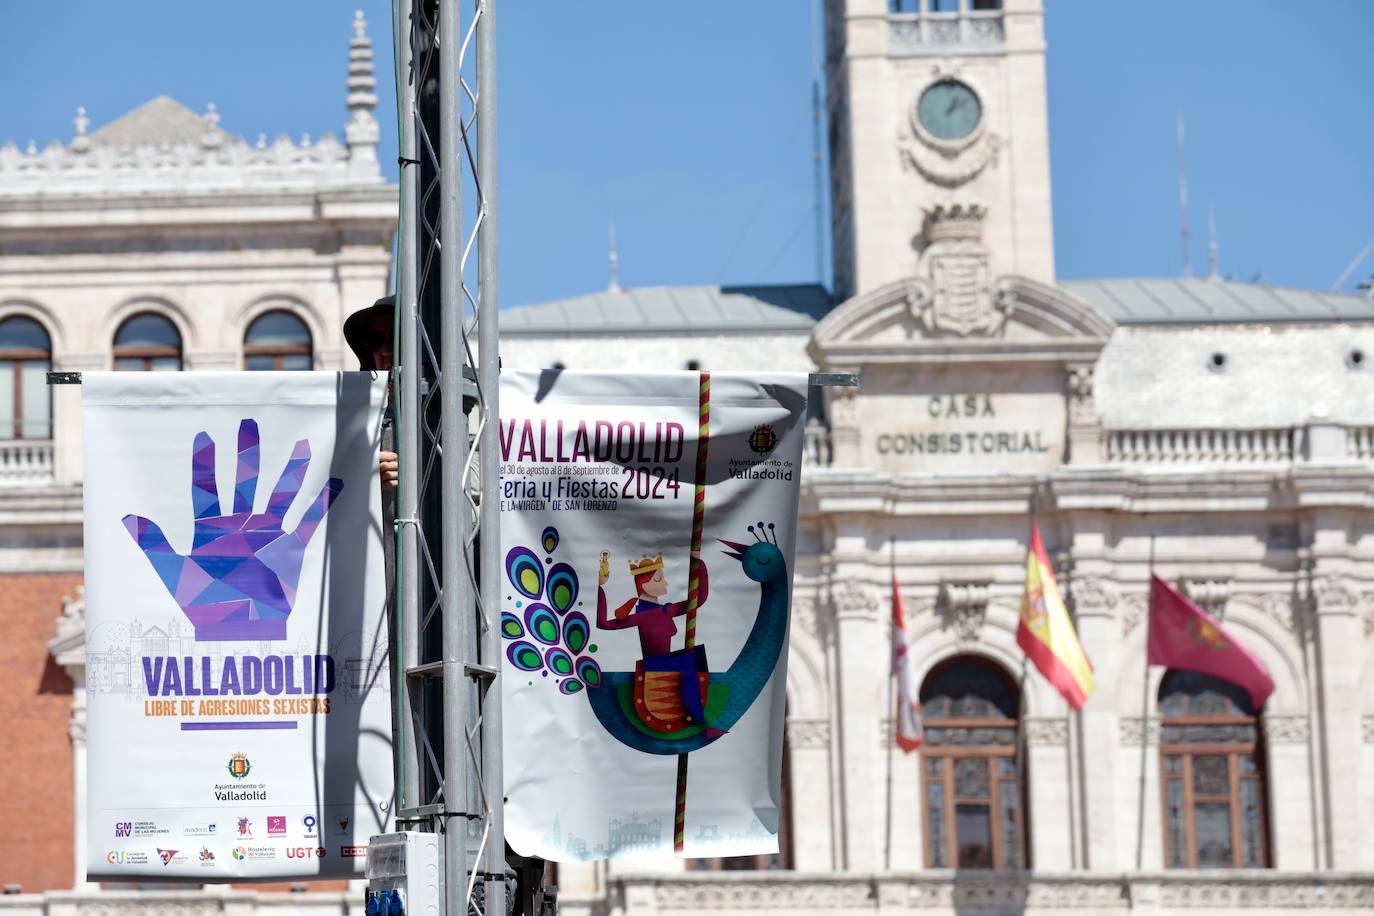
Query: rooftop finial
point(81, 143)
point(211, 138)
point(614, 264)
point(361, 132)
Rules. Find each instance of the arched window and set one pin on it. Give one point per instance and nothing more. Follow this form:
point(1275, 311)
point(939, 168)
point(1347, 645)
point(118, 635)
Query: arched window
point(277, 340)
point(1213, 774)
point(147, 342)
point(969, 768)
point(25, 358)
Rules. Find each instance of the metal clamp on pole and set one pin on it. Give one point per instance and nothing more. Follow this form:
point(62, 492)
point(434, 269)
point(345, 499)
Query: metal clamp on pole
point(833, 380)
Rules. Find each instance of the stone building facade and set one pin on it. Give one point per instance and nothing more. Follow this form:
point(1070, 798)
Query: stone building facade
point(1217, 433)
point(159, 241)
point(1220, 434)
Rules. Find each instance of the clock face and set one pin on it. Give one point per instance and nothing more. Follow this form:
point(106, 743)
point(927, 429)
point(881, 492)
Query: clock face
point(949, 110)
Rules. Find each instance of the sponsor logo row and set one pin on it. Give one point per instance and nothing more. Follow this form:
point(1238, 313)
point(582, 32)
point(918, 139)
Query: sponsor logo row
point(206, 856)
point(273, 825)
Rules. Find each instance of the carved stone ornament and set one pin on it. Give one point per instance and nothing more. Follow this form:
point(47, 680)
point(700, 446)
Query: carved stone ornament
point(1082, 406)
point(946, 166)
point(991, 891)
point(1332, 595)
point(1133, 608)
point(965, 609)
point(1046, 731)
point(760, 895)
point(1367, 727)
point(855, 599)
point(1093, 595)
point(1209, 594)
point(1132, 730)
point(1293, 728)
point(958, 298)
point(1367, 603)
point(808, 733)
point(1283, 610)
point(804, 615)
point(844, 406)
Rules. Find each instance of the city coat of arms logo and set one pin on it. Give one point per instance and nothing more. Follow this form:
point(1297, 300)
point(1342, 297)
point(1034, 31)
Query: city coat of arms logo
point(239, 767)
point(763, 440)
point(1206, 635)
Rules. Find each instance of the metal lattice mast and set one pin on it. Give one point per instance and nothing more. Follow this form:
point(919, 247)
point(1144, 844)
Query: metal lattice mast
point(449, 714)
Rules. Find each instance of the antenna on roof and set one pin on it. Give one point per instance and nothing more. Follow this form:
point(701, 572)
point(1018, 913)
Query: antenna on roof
point(1183, 200)
point(1211, 241)
point(614, 263)
point(816, 139)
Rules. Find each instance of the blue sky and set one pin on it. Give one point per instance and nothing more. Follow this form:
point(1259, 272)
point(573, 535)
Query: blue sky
point(689, 125)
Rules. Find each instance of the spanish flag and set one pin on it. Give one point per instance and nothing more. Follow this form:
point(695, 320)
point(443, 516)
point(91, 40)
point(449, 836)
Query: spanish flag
point(1046, 633)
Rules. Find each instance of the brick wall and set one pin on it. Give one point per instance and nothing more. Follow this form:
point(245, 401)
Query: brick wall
point(35, 706)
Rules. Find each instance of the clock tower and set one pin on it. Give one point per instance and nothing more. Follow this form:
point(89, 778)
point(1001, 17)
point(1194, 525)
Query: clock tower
point(939, 149)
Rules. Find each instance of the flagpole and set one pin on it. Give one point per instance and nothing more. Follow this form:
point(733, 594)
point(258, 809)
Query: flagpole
point(891, 705)
point(1021, 755)
point(1145, 717)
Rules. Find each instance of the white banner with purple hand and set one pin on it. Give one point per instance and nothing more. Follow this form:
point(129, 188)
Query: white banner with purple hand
point(238, 686)
point(648, 527)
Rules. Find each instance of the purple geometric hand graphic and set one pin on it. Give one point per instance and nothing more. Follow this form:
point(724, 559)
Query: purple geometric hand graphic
point(239, 580)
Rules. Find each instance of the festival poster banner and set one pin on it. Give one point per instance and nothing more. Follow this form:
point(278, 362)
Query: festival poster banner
point(648, 529)
point(238, 686)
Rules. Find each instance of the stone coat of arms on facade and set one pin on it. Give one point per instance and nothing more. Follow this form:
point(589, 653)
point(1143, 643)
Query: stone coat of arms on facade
point(955, 293)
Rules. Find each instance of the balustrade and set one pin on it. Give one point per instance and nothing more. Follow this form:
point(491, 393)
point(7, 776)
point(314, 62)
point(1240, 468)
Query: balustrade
point(25, 462)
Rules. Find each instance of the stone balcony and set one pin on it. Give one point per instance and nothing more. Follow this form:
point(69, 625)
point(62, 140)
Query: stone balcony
point(1319, 442)
point(911, 34)
point(991, 893)
point(26, 462)
point(211, 901)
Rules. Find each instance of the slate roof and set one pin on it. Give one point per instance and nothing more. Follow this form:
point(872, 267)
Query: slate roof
point(676, 309)
point(1125, 300)
point(161, 120)
point(1212, 301)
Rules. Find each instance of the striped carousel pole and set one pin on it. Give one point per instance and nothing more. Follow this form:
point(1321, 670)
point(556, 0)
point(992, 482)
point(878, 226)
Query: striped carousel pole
point(693, 589)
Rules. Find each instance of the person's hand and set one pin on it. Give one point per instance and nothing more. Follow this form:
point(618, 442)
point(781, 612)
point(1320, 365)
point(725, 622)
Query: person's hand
point(696, 554)
point(239, 579)
point(601, 578)
point(389, 471)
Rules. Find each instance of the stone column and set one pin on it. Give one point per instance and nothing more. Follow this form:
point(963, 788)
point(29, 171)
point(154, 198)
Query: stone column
point(1051, 834)
point(66, 415)
point(861, 673)
point(1340, 643)
point(76, 730)
point(68, 649)
point(844, 427)
point(1138, 772)
point(808, 743)
point(1099, 633)
point(1094, 603)
point(1085, 428)
point(1287, 739)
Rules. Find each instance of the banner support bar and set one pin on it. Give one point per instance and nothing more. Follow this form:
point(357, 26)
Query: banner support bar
point(815, 379)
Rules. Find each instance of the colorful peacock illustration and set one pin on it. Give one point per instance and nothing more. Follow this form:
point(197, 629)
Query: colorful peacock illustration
point(547, 636)
point(654, 709)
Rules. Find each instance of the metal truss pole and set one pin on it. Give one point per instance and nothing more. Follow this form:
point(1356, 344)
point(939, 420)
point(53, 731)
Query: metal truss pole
point(488, 348)
point(450, 766)
point(406, 627)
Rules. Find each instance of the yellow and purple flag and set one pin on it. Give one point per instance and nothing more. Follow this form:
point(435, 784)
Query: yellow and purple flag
point(1046, 633)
